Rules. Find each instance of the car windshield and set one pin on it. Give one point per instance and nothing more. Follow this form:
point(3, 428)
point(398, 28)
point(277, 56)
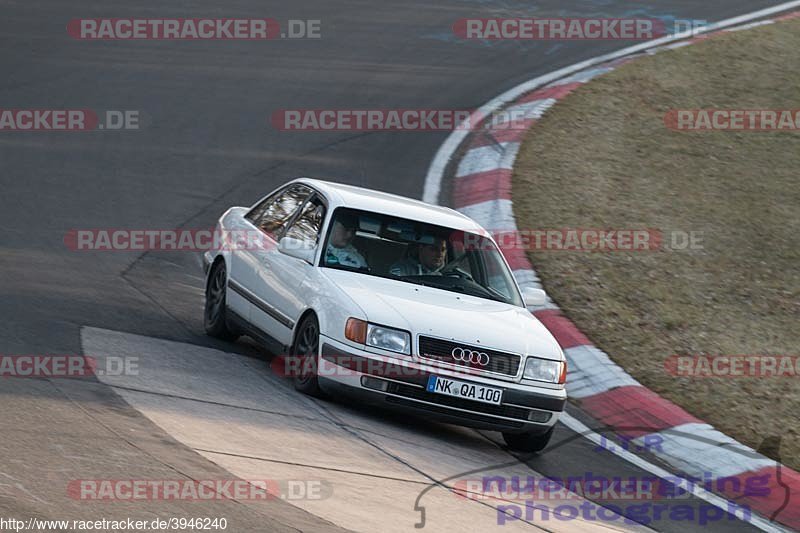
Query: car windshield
point(380, 245)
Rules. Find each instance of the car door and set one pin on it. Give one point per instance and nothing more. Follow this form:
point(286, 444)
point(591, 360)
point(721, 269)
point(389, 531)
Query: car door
point(251, 262)
point(281, 278)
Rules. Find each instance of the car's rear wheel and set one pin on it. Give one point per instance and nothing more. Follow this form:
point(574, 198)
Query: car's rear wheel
point(306, 349)
point(528, 442)
point(214, 316)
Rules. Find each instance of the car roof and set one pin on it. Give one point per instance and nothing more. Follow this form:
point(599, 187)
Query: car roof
point(341, 195)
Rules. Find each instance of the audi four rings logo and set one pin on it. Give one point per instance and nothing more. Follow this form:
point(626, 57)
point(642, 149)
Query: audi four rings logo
point(469, 356)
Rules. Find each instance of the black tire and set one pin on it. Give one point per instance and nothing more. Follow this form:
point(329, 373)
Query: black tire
point(306, 348)
point(528, 442)
point(214, 314)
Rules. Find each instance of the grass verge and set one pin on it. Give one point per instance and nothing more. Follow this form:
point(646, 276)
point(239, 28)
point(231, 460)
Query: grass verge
point(603, 158)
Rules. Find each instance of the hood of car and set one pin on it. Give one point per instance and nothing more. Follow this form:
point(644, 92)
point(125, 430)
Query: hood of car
point(445, 314)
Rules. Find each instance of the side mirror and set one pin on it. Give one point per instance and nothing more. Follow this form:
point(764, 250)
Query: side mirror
point(534, 297)
point(298, 249)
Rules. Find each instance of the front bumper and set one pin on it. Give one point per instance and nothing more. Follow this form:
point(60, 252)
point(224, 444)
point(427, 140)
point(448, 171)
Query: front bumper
point(401, 384)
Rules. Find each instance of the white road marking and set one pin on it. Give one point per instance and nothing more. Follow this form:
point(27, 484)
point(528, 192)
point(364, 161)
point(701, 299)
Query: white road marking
point(696, 448)
point(530, 110)
point(486, 158)
point(494, 215)
point(591, 371)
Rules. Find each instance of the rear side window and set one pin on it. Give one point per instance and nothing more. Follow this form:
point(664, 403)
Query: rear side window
point(308, 223)
point(272, 215)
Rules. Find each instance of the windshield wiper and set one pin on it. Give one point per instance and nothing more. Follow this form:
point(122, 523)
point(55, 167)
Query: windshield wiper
point(412, 279)
point(483, 293)
point(364, 269)
point(471, 287)
point(500, 296)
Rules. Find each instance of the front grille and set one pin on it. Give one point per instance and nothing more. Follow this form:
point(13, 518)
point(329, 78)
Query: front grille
point(442, 350)
point(449, 401)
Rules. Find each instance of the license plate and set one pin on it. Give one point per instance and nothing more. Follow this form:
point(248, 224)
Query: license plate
point(461, 389)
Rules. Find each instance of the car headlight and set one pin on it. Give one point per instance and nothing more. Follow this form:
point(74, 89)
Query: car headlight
point(391, 339)
point(545, 370)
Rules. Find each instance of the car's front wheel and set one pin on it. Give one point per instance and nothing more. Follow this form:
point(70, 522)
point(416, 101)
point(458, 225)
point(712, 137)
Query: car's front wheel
point(528, 442)
point(214, 316)
point(306, 349)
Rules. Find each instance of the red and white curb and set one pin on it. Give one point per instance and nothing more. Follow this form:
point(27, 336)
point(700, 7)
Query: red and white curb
point(481, 189)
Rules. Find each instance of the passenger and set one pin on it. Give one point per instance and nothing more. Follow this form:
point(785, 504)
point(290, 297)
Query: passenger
point(340, 248)
point(429, 260)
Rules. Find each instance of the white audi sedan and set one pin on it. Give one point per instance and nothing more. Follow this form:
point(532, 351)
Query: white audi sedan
point(397, 302)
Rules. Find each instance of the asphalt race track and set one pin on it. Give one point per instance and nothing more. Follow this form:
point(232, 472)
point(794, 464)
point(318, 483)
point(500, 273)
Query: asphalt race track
point(207, 409)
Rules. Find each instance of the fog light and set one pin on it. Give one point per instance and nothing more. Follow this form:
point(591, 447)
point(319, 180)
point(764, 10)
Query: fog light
point(374, 383)
point(539, 416)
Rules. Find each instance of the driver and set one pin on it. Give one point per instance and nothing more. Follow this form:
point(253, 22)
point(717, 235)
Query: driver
point(340, 249)
point(429, 260)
